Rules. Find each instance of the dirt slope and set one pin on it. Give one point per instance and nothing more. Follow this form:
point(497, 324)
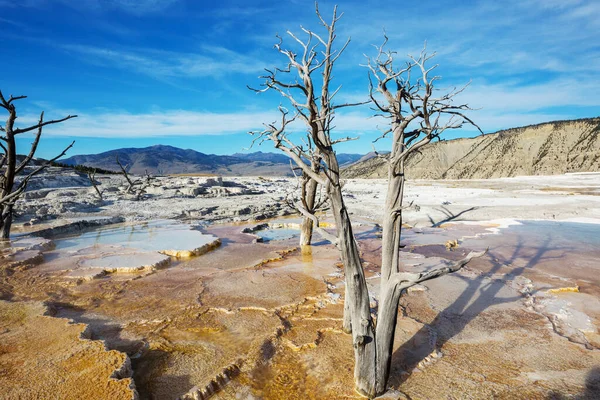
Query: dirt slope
point(545, 149)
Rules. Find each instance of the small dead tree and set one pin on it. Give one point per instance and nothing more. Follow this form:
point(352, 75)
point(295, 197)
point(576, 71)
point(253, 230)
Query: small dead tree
point(143, 185)
point(138, 186)
point(130, 183)
point(10, 171)
point(372, 335)
point(311, 105)
point(92, 177)
point(310, 196)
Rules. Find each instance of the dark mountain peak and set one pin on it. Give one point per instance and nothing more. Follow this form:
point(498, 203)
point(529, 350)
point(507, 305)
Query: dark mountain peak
point(163, 147)
point(168, 159)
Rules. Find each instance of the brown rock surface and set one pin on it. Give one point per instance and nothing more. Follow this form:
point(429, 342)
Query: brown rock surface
point(42, 357)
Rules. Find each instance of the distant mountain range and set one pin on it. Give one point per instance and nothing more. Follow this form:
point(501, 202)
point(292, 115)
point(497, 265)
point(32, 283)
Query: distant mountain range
point(161, 159)
point(544, 149)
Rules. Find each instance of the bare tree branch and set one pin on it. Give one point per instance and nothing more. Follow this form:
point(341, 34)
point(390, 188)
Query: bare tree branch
point(34, 146)
point(126, 175)
point(13, 196)
point(92, 177)
point(31, 128)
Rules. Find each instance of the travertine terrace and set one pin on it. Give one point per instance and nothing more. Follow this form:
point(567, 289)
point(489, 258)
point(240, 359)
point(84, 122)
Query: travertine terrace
point(251, 319)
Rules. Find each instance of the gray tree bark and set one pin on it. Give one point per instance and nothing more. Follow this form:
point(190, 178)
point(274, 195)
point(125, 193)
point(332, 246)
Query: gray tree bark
point(309, 197)
point(357, 293)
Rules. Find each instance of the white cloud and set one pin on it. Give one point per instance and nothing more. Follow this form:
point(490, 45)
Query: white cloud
point(502, 108)
point(488, 38)
point(164, 123)
point(559, 93)
point(119, 124)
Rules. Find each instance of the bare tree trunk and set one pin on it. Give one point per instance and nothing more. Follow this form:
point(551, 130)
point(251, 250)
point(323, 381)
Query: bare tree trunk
point(387, 314)
point(92, 178)
point(357, 301)
point(306, 231)
point(392, 223)
point(387, 318)
point(363, 334)
point(8, 179)
point(347, 324)
point(306, 228)
point(6, 221)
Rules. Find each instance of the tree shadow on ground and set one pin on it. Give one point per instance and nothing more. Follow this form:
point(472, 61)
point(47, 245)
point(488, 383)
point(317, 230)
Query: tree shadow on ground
point(591, 391)
point(450, 216)
point(481, 293)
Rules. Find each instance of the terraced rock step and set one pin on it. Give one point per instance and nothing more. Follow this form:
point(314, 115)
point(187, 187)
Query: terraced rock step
point(46, 357)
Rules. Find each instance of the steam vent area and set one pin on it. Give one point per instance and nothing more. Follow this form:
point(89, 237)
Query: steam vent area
point(198, 288)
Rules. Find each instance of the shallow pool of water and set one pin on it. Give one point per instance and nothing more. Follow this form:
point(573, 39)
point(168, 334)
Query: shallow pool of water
point(573, 234)
point(568, 251)
point(268, 235)
point(150, 236)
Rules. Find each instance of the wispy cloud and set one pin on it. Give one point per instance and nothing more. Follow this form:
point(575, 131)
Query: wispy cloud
point(164, 123)
point(121, 124)
point(213, 61)
point(491, 38)
point(520, 98)
point(137, 6)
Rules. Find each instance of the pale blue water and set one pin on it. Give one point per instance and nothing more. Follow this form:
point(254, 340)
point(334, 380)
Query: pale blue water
point(151, 236)
point(268, 235)
point(572, 234)
point(567, 249)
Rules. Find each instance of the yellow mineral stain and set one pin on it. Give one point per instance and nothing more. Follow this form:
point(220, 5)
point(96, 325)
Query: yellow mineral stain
point(451, 244)
point(572, 289)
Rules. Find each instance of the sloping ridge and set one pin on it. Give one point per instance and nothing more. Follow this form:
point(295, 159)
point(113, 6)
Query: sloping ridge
point(162, 159)
point(544, 149)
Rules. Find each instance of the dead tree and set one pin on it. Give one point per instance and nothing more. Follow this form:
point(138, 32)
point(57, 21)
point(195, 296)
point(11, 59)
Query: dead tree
point(296, 86)
point(11, 188)
point(130, 183)
point(138, 186)
point(143, 185)
point(418, 113)
point(310, 197)
point(372, 335)
point(92, 177)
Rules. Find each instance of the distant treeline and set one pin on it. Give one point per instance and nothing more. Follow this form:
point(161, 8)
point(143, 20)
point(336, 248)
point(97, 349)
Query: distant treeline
point(85, 169)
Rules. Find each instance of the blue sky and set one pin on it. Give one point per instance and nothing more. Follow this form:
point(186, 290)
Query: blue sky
point(143, 72)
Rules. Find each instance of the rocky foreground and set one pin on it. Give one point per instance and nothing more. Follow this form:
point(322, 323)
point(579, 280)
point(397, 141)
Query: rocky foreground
point(262, 320)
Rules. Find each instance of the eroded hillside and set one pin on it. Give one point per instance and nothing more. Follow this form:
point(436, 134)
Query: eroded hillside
point(545, 149)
